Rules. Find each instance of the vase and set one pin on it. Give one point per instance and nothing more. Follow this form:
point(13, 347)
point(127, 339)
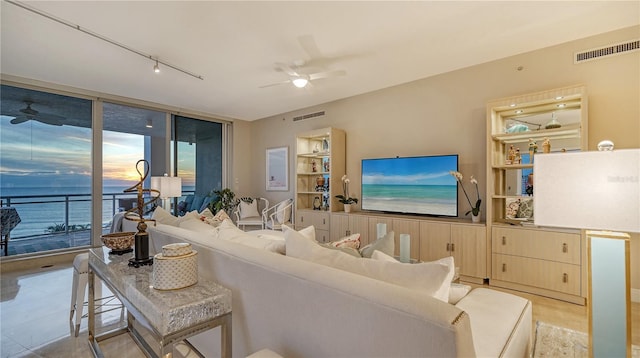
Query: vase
point(475, 218)
point(347, 208)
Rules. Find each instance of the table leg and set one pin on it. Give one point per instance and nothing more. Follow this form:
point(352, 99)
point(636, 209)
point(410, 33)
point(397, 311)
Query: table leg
point(92, 308)
point(225, 334)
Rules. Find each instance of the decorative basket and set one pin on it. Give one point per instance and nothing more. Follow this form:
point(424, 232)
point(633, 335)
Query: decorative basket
point(175, 271)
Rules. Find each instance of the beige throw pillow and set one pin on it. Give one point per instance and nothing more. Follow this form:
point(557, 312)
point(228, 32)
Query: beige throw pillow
point(385, 244)
point(248, 210)
point(429, 278)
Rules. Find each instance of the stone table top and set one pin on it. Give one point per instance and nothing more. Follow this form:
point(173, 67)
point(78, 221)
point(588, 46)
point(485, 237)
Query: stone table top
point(167, 311)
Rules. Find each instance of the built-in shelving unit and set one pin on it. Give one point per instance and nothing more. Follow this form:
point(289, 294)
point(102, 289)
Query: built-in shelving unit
point(523, 256)
point(320, 165)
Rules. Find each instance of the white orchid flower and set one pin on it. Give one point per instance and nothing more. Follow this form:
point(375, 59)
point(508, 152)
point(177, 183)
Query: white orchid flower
point(473, 180)
point(347, 181)
point(344, 177)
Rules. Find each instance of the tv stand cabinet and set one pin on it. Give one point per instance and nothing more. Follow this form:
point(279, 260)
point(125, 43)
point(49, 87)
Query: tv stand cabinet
point(431, 238)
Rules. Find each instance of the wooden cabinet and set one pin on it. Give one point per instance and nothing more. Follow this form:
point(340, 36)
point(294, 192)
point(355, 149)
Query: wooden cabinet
point(319, 167)
point(343, 224)
point(320, 221)
point(431, 238)
point(523, 256)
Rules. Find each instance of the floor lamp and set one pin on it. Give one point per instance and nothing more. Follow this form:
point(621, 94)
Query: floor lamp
point(169, 187)
point(596, 191)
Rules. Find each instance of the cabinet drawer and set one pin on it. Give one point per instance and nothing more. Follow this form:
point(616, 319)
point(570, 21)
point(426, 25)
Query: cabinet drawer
point(548, 245)
point(555, 276)
point(322, 236)
point(321, 221)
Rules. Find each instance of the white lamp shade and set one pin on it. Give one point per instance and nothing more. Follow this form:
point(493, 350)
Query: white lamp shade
point(588, 190)
point(169, 187)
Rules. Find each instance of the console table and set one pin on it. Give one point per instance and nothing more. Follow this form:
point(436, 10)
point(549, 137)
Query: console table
point(169, 316)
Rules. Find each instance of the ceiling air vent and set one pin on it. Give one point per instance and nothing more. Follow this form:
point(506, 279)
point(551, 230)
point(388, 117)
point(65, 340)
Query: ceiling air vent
point(307, 116)
point(606, 51)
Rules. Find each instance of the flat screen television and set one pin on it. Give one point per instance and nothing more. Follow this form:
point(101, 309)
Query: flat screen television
point(411, 185)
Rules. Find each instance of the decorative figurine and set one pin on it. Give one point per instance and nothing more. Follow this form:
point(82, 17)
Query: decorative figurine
point(327, 166)
point(316, 203)
point(529, 189)
point(518, 158)
point(314, 169)
point(511, 155)
point(533, 149)
point(546, 146)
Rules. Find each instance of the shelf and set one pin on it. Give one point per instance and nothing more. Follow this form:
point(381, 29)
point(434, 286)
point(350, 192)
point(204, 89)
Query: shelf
point(512, 197)
point(313, 173)
point(315, 155)
point(568, 131)
point(513, 166)
point(313, 192)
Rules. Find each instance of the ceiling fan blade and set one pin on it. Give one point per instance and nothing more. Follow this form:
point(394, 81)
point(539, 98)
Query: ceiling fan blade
point(19, 120)
point(49, 120)
point(276, 84)
point(50, 117)
point(326, 74)
point(287, 69)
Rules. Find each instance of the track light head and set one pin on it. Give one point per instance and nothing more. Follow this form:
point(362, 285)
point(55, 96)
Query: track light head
point(156, 68)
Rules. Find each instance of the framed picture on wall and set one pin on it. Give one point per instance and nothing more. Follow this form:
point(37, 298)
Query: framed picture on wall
point(277, 169)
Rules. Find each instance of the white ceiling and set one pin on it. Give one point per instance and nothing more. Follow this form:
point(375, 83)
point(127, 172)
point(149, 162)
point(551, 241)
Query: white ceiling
point(234, 45)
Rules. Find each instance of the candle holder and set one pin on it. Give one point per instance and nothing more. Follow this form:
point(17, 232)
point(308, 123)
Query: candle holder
point(141, 241)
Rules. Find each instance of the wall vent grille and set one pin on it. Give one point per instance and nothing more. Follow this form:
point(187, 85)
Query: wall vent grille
point(606, 51)
point(307, 116)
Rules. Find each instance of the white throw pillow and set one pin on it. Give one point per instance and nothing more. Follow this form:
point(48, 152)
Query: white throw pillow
point(384, 244)
point(196, 225)
point(429, 278)
point(206, 214)
point(445, 289)
point(381, 256)
point(309, 232)
point(283, 215)
point(248, 210)
point(228, 231)
point(162, 216)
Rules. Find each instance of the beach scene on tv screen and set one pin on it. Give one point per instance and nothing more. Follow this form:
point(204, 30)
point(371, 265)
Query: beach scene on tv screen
point(420, 185)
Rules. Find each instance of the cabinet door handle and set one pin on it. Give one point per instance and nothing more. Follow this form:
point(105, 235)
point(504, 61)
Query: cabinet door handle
point(453, 247)
point(448, 247)
point(323, 221)
point(302, 219)
point(565, 248)
point(504, 240)
point(504, 267)
point(565, 278)
point(348, 232)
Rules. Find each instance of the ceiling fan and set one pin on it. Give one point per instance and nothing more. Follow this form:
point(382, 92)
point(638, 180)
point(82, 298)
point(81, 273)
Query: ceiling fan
point(300, 79)
point(32, 114)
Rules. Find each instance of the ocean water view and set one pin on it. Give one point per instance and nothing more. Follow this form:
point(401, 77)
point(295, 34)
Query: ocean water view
point(46, 206)
point(431, 199)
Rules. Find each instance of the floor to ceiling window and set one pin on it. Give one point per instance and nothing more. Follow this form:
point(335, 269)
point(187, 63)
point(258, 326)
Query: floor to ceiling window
point(45, 170)
point(129, 135)
point(200, 154)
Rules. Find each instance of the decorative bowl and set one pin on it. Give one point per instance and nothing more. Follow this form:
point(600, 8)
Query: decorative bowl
point(119, 241)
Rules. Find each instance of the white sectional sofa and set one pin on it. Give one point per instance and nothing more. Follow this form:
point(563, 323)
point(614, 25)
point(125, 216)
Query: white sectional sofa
point(299, 308)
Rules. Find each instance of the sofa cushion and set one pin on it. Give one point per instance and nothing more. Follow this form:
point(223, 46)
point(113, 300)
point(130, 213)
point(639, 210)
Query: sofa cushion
point(495, 317)
point(429, 278)
point(162, 216)
point(196, 225)
point(457, 291)
point(384, 244)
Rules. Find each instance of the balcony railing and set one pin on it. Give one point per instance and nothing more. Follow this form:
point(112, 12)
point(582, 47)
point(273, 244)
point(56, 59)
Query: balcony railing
point(48, 218)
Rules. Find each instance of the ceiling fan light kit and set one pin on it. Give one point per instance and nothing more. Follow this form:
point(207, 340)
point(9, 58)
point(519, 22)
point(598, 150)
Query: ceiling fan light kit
point(300, 82)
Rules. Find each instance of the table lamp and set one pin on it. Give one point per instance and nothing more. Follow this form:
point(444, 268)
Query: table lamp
point(169, 187)
point(596, 191)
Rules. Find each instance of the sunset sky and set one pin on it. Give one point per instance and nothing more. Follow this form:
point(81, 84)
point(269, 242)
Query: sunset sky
point(33, 154)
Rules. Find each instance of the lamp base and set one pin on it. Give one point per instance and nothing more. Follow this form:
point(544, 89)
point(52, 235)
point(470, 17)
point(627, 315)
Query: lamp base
point(141, 262)
point(141, 246)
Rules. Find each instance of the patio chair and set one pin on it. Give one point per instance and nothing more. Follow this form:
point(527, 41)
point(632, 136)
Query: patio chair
point(248, 212)
point(278, 215)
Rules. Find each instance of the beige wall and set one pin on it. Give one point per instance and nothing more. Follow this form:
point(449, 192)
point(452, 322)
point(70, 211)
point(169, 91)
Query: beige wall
point(445, 114)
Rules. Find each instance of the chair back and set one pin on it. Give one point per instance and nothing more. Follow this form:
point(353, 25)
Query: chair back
point(279, 214)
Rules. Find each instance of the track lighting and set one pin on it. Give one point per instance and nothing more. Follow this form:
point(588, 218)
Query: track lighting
point(149, 123)
point(156, 68)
